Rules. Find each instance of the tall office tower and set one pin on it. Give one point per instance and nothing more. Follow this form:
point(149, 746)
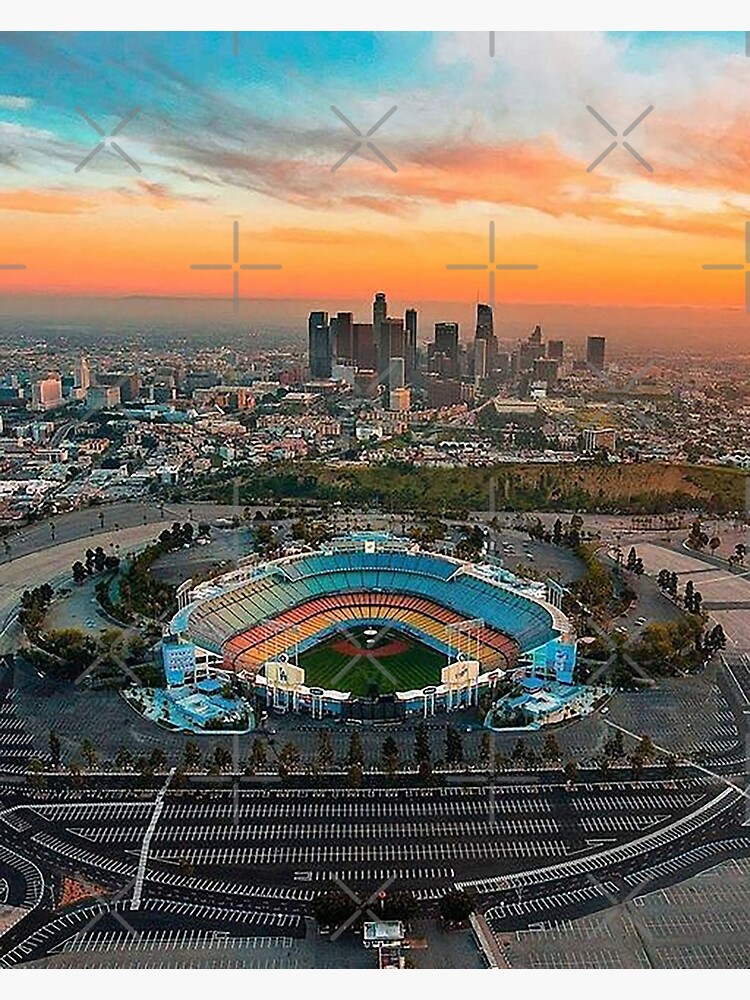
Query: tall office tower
point(319, 340)
point(392, 345)
point(555, 349)
point(445, 349)
point(379, 313)
point(485, 330)
point(480, 359)
point(343, 344)
point(82, 375)
point(411, 342)
point(535, 337)
point(595, 350)
point(364, 345)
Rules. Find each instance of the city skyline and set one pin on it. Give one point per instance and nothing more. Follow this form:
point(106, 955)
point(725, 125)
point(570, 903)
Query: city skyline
point(208, 138)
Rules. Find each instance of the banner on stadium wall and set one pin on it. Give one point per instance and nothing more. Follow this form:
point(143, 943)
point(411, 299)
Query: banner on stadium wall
point(460, 674)
point(179, 660)
point(280, 673)
point(561, 660)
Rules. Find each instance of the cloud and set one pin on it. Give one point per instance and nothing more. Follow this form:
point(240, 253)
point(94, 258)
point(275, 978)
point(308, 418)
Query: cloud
point(9, 102)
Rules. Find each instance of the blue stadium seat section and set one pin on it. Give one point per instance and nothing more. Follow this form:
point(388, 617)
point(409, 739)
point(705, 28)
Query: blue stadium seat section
point(295, 583)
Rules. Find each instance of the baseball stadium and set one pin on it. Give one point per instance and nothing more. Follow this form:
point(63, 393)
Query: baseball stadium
point(371, 619)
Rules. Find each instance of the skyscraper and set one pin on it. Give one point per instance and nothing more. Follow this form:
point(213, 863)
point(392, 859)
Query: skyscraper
point(363, 345)
point(319, 341)
point(343, 344)
point(392, 345)
point(555, 349)
point(379, 313)
point(443, 353)
point(485, 331)
point(595, 351)
point(411, 342)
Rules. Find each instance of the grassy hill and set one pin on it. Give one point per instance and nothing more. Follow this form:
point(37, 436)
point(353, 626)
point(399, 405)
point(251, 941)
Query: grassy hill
point(648, 488)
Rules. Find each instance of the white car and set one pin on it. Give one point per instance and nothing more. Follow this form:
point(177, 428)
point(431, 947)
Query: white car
point(640, 621)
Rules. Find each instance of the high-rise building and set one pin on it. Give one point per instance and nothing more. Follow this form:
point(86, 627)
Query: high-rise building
point(392, 345)
point(555, 349)
point(343, 344)
point(442, 354)
point(379, 313)
point(46, 394)
point(480, 358)
point(319, 341)
point(411, 342)
point(595, 352)
point(485, 330)
point(363, 342)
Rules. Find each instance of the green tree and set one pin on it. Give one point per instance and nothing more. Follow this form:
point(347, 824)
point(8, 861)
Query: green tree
point(324, 753)
point(454, 751)
point(551, 748)
point(646, 750)
point(355, 775)
point(356, 754)
point(289, 756)
point(55, 747)
point(422, 745)
point(258, 756)
point(123, 759)
point(191, 755)
point(222, 758)
point(390, 755)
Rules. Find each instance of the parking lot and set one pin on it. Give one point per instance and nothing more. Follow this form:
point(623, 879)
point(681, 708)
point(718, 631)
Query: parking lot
point(702, 923)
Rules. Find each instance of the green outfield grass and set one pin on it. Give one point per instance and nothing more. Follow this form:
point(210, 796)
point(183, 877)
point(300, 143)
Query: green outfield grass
point(397, 663)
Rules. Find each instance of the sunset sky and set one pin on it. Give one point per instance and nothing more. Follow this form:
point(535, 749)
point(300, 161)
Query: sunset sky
point(251, 137)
